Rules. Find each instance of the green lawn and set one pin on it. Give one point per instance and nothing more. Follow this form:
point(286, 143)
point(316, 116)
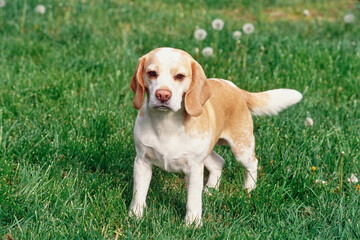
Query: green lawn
point(66, 118)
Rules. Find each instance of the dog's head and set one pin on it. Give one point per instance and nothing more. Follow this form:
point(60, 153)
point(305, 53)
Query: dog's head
point(169, 77)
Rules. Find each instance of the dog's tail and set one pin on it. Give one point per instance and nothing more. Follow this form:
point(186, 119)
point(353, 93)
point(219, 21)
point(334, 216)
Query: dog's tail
point(271, 102)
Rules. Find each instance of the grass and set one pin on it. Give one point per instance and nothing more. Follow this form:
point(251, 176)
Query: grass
point(66, 119)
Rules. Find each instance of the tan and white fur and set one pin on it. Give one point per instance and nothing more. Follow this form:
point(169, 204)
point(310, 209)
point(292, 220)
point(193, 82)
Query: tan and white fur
point(184, 115)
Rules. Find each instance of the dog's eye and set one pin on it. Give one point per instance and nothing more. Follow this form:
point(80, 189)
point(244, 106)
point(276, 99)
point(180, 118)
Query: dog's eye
point(179, 76)
point(152, 74)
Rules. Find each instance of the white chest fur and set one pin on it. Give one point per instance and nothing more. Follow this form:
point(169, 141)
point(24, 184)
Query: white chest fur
point(161, 139)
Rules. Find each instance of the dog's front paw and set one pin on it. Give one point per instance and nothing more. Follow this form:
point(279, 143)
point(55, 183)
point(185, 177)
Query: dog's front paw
point(136, 211)
point(193, 220)
point(250, 185)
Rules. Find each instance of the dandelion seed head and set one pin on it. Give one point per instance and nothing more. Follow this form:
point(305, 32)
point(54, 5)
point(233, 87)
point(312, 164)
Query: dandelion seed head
point(217, 24)
point(208, 52)
point(349, 18)
point(197, 50)
point(306, 12)
point(40, 9)
point(2, 3)
point(248, 28)
point(237, 35)
point(200, 34)
point(353, 179)
point(309, 122)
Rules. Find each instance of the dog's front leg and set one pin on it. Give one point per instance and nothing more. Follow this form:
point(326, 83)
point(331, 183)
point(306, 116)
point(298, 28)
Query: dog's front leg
point(142, 177)
point(194, 180)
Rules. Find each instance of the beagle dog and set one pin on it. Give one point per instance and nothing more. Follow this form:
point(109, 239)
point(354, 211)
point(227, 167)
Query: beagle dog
point(184, 115)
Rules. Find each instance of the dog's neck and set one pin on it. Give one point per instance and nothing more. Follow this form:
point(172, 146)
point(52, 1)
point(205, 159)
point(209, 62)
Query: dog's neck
point(165, 122)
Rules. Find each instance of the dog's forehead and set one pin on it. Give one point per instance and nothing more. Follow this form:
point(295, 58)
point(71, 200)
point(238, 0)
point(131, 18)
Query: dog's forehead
point(167, 58)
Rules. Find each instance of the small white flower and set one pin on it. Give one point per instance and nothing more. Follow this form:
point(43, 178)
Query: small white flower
point(353, 179)
point(237, 35)
point(248, 28)
point(197, 50)
point(309, 122)
point(200, 34)
point(306, 12)
point(208, 51)
point(2, 3)
point(349, 18)
point(217, 24)
point(40, 9)
point(317, 181)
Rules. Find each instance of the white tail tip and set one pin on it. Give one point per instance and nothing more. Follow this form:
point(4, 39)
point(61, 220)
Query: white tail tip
point(276, 100)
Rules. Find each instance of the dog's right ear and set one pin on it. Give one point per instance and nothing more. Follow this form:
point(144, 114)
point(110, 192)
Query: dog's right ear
point(137, 84)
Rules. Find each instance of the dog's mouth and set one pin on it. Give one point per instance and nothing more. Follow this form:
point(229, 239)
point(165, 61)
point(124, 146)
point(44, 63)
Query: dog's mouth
point(162, 108)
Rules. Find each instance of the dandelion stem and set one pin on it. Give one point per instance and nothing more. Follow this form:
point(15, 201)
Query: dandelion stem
point(2, 21)
point(341, 169)
point(238, 53)
point(200, 52)
point(245, 50)
point(23, 18)
point(215, 46)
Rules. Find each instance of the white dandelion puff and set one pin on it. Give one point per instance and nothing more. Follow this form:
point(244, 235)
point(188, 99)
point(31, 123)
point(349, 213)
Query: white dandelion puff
point(248, 28)
point(353, 179)
point(200, 34)
point(217, 24)
point(208, 51)
point(2, 3)
point(237, 35)
point(40, 9)
point(309, 122)
point(317, 181)
point(349, 18)
point(197, 50)
point(306, 12)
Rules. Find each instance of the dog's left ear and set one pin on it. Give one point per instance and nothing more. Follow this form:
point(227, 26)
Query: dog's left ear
point(199, 91)
point(137, 84)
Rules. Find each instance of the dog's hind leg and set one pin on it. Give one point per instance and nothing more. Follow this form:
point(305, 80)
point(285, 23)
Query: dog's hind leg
point(243, 149)
point(214, 163)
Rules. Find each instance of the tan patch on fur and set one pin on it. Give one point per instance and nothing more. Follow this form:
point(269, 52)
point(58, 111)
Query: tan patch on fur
point(164, 88)
point(256, 101)
point(225, 115)
point(141, 113)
